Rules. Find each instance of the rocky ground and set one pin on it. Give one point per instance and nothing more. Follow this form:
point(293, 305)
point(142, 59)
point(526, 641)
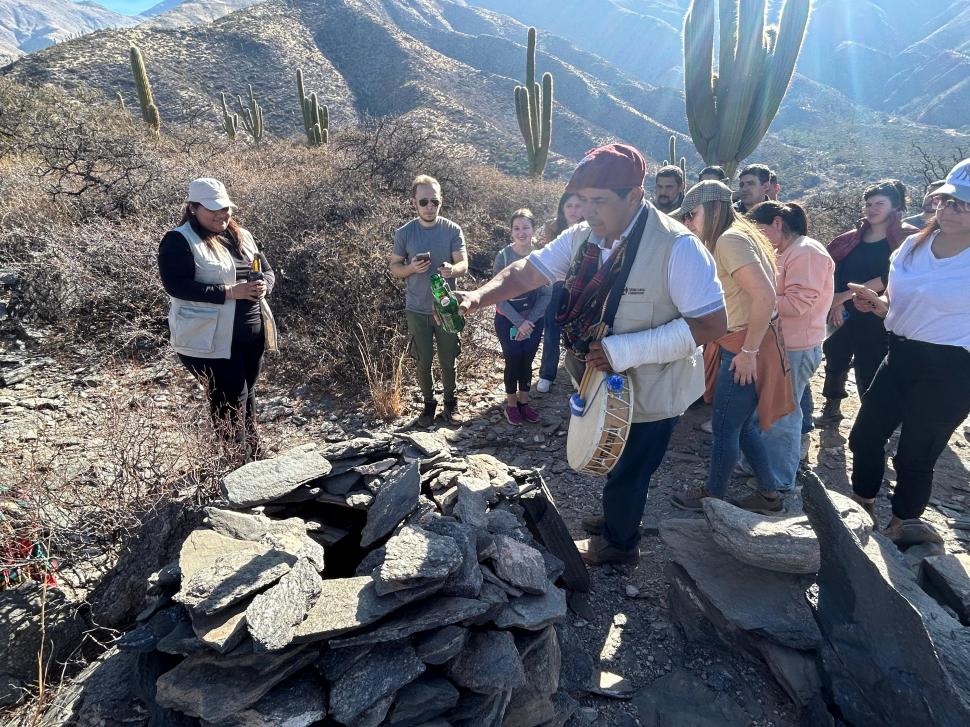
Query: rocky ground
point(54, 408)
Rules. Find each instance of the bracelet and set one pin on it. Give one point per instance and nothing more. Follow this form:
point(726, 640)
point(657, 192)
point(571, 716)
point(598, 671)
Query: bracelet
point(755, 352)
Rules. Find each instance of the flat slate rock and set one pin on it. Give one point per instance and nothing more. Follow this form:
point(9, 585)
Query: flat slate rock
point(203, 547)
point(786, 545)
point(341, 484)
point(425, 698)
point(289, 535)
point(415, 618)
point(520, 565)
point(531, 704)
point(415, 557)
point(273, 615)
point(300, 702)
point(344, 604)
point(356, 447)
point(222, 631)
point(266, 480)
point(396, 499)
point(681, 698)
point(533, 612)
point(489, 664)
point(764, 602)
point(214, 686)
point(232, 578)
point(427, 443)
point(890, 653)
point(949, 575)
point(438, 647)
point(465, 582)
point(376, 676)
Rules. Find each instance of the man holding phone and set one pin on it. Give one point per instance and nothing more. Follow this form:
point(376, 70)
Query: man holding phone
point(429, 243)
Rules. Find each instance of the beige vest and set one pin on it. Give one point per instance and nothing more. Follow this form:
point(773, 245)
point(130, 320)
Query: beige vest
point(661, 390)
point(204, 330)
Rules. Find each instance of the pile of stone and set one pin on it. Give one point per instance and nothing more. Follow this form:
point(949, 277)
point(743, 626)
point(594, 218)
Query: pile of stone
point(374, 581)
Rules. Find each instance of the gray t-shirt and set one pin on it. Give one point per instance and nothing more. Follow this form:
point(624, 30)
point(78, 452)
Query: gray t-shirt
point(441, 241)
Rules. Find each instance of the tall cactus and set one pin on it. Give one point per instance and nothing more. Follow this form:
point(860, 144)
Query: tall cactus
point(672, 155)
point(729, 112)
point(252, 116)
point(316, 117)
point(149, 111)
point(533, 109)
point(230, 121)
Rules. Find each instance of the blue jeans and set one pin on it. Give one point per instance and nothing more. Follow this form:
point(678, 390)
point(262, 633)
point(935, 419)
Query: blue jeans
point(807, 405)
point(735, 430)
point(783, 439)
point(625, 492)
point(549, 365)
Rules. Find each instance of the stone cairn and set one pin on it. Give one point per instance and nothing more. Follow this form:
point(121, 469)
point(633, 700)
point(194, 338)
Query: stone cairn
point(373, 581)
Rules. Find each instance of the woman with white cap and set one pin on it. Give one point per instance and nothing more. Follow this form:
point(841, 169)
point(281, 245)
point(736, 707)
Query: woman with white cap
point(923, 383)
point(219, 321)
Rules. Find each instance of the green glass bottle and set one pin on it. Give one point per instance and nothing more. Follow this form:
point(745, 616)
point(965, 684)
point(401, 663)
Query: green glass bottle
point(447, 305)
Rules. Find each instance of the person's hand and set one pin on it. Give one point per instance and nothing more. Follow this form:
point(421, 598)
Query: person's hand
point(745, 367)
point(419, 265)
point(835, 318)
point(525, 330)
point(445, 270)
point(868, 301)
point(597, 357)
point(245, 290)
point(469, 301)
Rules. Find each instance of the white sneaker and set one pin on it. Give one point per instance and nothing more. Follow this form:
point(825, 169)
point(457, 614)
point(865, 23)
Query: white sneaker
point(543, 386)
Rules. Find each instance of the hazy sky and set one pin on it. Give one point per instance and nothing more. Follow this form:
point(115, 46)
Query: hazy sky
point(129, 7)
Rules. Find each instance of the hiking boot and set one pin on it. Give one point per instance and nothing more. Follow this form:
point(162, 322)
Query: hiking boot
point(867, 504)
point(805, 446)
point(452, 414)
point(691, 500)
point(513, 416)
point(760, 503)
point(593, 524)
point(528, 413)
point(911, 532)
point(427, 415)
point(598, 551)
point(831, 412)
point(543, 386)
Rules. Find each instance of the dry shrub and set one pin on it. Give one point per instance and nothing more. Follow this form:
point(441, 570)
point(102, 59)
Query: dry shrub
point(383, 370)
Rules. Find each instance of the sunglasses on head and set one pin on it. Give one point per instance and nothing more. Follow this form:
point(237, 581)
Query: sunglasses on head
point(424, 202)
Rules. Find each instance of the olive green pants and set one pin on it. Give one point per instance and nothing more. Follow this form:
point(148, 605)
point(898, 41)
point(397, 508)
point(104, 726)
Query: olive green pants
point(424, 333)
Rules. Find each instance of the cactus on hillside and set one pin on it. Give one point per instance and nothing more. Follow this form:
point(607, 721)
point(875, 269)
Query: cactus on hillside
point(316, 118)
point(729, 111)
point(533, 109)
point(672, 155)
point(252, 116)
point(230, 121)
point(149, 111)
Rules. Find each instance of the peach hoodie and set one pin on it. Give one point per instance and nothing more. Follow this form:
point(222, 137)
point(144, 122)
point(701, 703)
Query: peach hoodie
point(805, 285)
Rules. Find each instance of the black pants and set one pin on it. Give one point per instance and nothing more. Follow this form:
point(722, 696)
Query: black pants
point(230, 385)
point(860, 344)
point(926, 388)
point(519, 355)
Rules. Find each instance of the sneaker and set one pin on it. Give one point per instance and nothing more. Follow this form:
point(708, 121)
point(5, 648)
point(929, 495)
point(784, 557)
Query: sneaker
point(513, 416)
point(758, 502)
point(598, 551)
point(528, 413)
point(911, 532)
point(806, 445)
point(707, 426)
point(427, 415)
point(691, 500)
point(452, 413)
point(867, 504)
point(543, 386)
point(831, 412)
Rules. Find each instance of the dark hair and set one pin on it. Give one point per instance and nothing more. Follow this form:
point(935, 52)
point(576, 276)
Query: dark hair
point(561, 223)
point(923, 235)
point(715, 170)
point(891, 188)
point(671, 170)
point(794, 221)
point(524, 213)
point(209, 238)
point(773, 178)
point(762, 172)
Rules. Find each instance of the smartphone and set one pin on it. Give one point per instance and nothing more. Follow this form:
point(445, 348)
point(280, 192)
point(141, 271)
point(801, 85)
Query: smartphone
point(513, 332)
point(423, 256)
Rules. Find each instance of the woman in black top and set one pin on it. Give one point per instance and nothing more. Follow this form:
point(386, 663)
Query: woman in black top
point(859, 339)
point(230, 380)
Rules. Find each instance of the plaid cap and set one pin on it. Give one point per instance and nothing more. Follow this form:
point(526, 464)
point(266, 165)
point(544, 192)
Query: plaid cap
point(710, 190)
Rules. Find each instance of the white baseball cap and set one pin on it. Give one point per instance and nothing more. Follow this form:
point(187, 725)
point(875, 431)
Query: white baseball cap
point(957, 182)
point(210, 193)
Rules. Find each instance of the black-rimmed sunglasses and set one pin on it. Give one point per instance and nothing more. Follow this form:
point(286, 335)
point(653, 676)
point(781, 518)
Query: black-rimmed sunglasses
point(424, 202)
